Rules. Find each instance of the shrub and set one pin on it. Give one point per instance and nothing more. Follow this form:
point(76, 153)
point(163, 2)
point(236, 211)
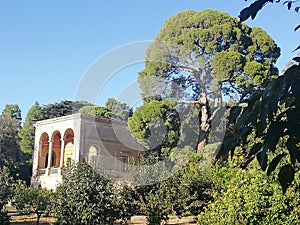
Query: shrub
point(5, 190)
point(250, 197)
point(84, 198)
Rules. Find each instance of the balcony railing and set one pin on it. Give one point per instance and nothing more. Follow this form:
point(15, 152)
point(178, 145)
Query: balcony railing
point(48, 171)
point(54, 170)
point(41, 172)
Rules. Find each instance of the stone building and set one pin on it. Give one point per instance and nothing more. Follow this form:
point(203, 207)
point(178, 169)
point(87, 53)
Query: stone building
point(103, 143)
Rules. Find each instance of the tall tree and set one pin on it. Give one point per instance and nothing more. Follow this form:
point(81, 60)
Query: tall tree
point(198, 57)
point(9, 147)
point(112, 109)
point(5, 192)
point(96, 110)
point(14, 111)
point(119, 109)
point(26, 134)
point(62, 108)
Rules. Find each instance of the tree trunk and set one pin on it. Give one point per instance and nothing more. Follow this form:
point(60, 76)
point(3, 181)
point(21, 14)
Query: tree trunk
point(218, 97)
point(204, 124)
point(38, 218)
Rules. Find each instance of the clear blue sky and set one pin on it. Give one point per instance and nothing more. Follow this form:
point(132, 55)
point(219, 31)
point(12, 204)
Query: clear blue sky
point(47, 46)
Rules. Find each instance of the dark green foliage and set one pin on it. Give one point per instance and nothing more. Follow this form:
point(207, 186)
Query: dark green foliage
point(286, 176)
point(4, 218)
point(31, 200)
point(113, 109)
point(165, 190)
point(126, 202)
point(11, 155)
point(96, 110)
point(13, 110)
point(9, 148)
point(158, 201)
point(272, 115)
point(26, 134)
point(5, 194)
point(62, 108)
point(84, 197)
point(156, 125)
point(257, 5)
point(119, 110)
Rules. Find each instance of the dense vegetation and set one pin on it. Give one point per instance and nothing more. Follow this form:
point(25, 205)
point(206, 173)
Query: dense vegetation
point(197, 60)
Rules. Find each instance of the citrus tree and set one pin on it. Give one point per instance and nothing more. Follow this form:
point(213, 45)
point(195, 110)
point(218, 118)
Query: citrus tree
point(84, 197)
point(32, 200)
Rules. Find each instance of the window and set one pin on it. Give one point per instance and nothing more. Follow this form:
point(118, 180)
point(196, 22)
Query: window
point(92, 157)
point(53, 159)
point(69, 162)
point(125, 163)
point(46, 160)
point(68, 154)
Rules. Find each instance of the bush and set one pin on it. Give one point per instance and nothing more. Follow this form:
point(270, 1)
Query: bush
point(4, 218)
point(250, 197)
point(84, 198)
point(5, 190)
point(31, 200)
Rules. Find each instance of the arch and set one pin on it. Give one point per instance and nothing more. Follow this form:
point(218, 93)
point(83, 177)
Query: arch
point(43, 151)
point(69, 136)
point(93, 155)
point(56, 148)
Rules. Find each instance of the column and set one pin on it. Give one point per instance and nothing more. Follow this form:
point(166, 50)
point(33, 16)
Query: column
point(76, 152)
point(37, 158)
point(62, 151)
point(49, 157)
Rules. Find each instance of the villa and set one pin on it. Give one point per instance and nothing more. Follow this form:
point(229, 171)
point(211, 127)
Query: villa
point(101, 142)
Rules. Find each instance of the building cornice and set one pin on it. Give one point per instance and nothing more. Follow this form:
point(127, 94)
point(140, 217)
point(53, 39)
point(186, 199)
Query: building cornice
point(83, 116)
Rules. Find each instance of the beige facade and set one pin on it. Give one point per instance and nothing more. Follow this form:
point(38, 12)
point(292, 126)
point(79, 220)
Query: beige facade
point(105, 144)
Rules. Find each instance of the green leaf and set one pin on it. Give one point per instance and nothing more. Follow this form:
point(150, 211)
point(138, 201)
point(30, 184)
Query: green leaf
point(298, 47)
point(262, 158)
point(255, 149)
point(297, 27)
point(247, 162)
point(244, 131)
point(274, 163)
point(289, 5)
point(219, 113)
point(274, 132)
point(293, 150)
point(227, 146)
point(296, 59)
point(234, 113)
point(286, 176)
